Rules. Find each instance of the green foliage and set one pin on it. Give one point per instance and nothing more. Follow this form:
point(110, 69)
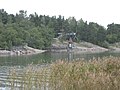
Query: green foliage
point(20, 29)
point(39, 30)
point(113, 33)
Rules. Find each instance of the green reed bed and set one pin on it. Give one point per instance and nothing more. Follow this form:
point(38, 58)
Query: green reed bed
point(95, 74)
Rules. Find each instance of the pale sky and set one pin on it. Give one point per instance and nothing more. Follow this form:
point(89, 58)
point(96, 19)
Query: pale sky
point(101, 11)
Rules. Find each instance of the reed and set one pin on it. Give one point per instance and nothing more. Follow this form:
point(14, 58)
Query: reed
point(96, 74)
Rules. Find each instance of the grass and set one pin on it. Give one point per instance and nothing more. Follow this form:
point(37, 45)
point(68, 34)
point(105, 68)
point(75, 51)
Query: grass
point(95, 74)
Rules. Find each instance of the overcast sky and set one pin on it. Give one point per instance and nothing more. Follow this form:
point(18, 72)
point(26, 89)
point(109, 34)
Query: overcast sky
point(101, 11)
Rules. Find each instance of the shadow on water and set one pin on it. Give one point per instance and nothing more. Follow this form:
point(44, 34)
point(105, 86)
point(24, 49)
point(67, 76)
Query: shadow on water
point(25, 60)
point(48, 57)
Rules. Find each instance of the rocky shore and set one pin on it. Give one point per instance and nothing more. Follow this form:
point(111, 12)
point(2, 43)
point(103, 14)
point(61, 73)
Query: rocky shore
point(80, 50)
point(83, 47)
point(57, 47)
point(22, 51)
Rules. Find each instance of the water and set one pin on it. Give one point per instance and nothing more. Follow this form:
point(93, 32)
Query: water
point(6, 63)
point(49, 57)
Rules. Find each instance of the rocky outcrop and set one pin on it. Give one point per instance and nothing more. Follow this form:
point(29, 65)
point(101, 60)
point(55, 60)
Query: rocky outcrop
point(83, 47)
point(21, 51)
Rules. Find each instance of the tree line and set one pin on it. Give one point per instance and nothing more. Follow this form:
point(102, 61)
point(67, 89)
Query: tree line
point(38, 31)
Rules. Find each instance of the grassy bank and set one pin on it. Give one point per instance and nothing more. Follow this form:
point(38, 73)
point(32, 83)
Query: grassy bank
point(96, 74)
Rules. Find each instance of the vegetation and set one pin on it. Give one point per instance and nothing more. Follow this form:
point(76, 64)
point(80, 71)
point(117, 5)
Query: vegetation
point(20, 30)
point(95, 74)
point(38, 30)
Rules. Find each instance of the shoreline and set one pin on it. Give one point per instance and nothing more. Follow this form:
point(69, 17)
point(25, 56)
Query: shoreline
point(20, 52)
point(32, 51)
point(77, 48)
point(82, 47)
point(80, 50)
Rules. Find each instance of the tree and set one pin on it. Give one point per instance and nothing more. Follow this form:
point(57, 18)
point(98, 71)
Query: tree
point(113, 33)
point(72, 24)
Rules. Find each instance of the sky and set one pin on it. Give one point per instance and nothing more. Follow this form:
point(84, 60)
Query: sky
point(103, 12)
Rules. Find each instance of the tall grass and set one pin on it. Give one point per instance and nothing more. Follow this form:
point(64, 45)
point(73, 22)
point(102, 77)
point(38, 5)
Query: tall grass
point(95, 74)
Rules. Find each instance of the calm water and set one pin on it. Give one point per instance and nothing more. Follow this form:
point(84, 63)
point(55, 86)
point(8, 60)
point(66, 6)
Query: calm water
point(48, 57)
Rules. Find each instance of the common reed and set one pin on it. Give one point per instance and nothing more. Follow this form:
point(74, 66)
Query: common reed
point(95, 74)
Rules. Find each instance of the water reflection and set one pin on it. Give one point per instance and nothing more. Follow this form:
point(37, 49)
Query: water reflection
point(49, 57)
point(70, 56)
